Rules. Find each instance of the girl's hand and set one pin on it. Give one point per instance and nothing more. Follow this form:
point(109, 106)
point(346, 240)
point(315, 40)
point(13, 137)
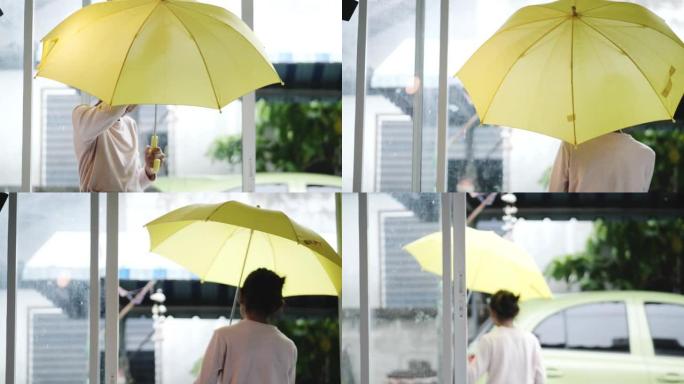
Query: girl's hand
point(150, 155)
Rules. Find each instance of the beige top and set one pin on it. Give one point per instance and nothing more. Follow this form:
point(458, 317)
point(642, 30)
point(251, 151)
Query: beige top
point(106, 145)
point(249, 352)
point(508, 355)
point(610, 163)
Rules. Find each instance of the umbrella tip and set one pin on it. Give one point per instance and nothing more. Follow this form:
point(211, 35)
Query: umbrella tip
point(574, 11)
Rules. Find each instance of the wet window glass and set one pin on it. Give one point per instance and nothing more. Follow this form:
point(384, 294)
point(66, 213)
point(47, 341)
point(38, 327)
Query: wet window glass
point(665, 322)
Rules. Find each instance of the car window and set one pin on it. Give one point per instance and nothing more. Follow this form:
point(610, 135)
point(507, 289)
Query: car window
point(666, 323)
point(551, 332)
point(590, 327)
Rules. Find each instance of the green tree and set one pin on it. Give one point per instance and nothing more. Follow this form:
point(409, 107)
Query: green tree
point(318, 346)
point(625, 255)
point(291, 137)
point(667, 140)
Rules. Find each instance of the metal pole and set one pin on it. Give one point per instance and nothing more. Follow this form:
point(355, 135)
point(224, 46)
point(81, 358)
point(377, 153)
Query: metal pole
point(445, 369)
point(112, 291)
point(442, 107)
point(94, 302)
point(417, 143)
point(27, 105)
point(10, 337)
point(248, 119)
point(461, 315)
point(364, 322)
point(360, 96)
point(237, 289)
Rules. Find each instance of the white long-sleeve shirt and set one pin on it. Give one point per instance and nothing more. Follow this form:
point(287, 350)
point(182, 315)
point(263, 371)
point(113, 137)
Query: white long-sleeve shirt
point(249, 352)
point(614, 162)
point(106, 146)
point(508, 355)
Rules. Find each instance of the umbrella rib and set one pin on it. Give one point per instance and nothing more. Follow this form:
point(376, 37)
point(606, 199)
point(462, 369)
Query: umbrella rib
point(270, 243)
point(503, 79)
point(633, 62)
point(239, 34)
point(123, 63)
point(204, 61)
point(216, 256)
point(678, 42)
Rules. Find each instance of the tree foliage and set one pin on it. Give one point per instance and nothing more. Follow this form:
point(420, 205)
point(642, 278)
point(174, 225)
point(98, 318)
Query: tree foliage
point(318, 345)
point(627, 255)
point(667, 140)
point(291, 137)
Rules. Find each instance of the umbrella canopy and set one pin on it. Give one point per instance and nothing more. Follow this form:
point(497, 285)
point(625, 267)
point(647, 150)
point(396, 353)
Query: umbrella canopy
point(157, 52)
point(493, 263)
point(577, 69)
point(224, 242)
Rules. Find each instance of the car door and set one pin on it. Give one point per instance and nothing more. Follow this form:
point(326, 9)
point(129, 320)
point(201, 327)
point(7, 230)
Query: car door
point(590, 343)
point(666, 333)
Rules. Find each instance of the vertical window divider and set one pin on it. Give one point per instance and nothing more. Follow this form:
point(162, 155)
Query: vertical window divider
point(27, 99)
point(364, 309)
point(442, 107)
point(248, 118)
point(458, 220)
point(359, 112)
point(10, 339)
point(112, 290)
point(419, 70)
point(446, 366)
point(94, 291)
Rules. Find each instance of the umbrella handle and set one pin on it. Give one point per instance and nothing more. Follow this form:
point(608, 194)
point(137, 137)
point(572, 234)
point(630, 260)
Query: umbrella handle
point(155, 144)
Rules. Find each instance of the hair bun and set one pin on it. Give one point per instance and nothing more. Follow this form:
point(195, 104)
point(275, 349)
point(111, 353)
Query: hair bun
point(504, 304)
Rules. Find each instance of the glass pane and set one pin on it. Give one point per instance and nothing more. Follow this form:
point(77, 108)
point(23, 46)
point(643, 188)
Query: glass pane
point(11, 80)
point(598, 327)
point(299, 31)
point(665, 324)
point(53, 252)
point(405, 300)
point(551, 331)
point(299, 125)
point(154, 334)
point(388, 131)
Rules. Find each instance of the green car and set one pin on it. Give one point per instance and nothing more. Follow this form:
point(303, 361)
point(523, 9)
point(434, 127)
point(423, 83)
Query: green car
point(615, 337)
point(264, 182)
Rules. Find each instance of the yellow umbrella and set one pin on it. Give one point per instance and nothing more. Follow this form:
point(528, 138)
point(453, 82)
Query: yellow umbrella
point(577, 69)
point(224, 242)
point(492, 263)
point(157, 52)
